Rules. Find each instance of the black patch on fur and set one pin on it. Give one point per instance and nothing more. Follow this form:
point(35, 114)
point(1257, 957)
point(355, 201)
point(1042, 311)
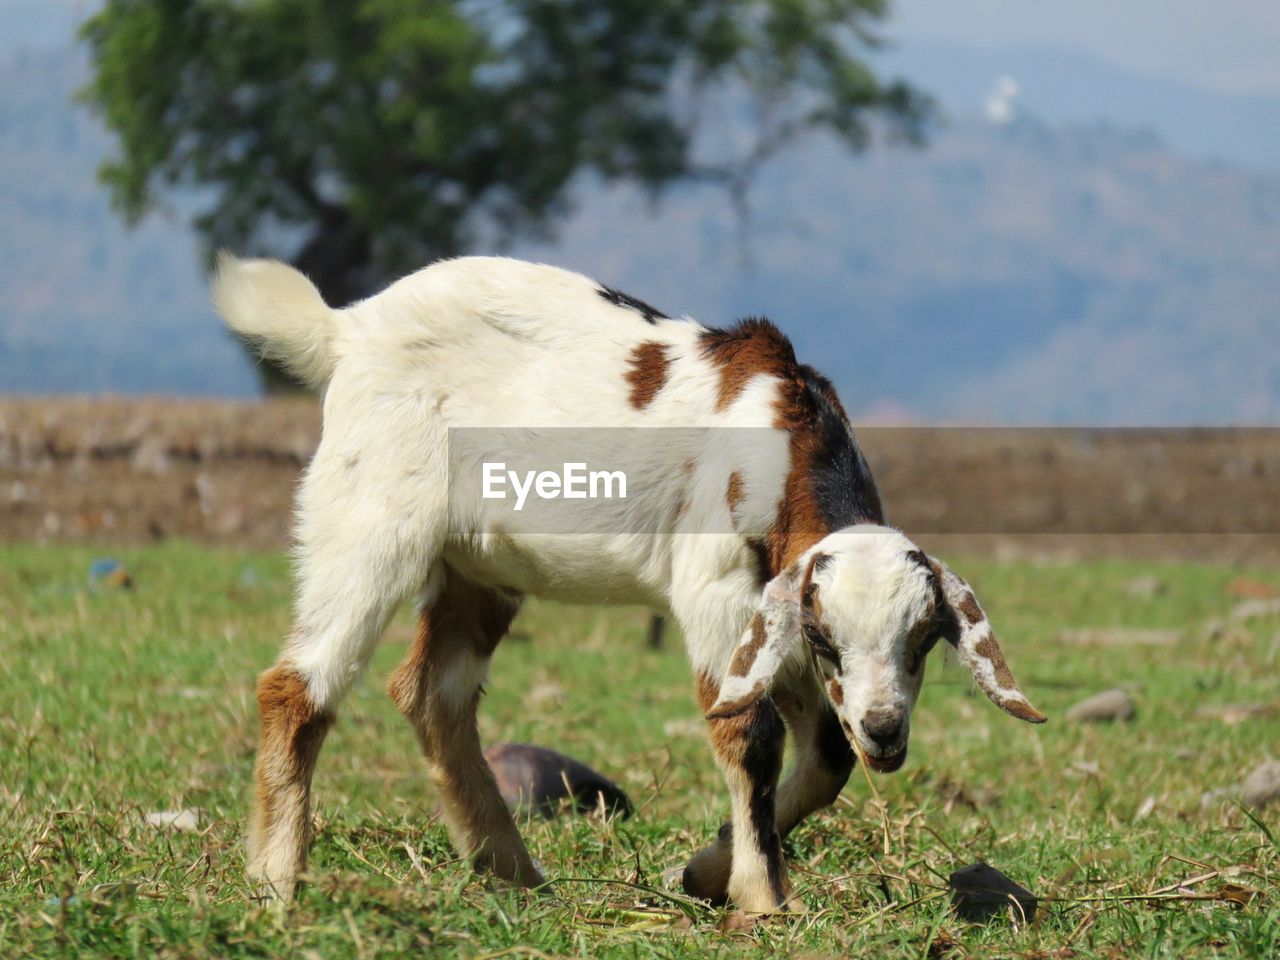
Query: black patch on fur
point(650, 313)
point(842, 482)
point(762, 763)
point(761, 551)
point(833, 747)
point(920, 560)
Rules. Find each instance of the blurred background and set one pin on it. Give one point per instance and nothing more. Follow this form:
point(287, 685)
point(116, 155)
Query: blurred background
point(1087, 234)
point(994, 213)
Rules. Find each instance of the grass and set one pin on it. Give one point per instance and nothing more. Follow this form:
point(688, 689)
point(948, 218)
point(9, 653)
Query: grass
point(115, 704)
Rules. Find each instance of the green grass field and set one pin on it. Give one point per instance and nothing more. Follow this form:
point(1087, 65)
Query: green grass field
point(114, 704)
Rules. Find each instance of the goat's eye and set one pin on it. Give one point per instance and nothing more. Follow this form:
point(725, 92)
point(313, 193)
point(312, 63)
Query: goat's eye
point(915, 658)
point(820, 644)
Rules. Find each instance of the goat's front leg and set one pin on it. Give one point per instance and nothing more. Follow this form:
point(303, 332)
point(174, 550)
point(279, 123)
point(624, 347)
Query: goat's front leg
point(823, 762)
point(748, 748)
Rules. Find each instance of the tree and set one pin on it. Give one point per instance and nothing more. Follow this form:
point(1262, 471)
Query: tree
point(362, 138)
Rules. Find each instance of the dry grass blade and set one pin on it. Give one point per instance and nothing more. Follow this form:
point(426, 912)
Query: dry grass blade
point(689, 906)
point(416, 861)
point(879, 802)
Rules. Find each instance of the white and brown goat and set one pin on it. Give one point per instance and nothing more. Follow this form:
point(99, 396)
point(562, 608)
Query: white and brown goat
point(800, 609)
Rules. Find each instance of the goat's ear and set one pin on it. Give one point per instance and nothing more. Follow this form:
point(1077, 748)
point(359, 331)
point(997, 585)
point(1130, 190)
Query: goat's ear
point(969, 631)
point(770, 636)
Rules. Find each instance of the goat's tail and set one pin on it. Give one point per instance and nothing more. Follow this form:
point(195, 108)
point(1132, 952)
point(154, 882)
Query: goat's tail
point(279, 311)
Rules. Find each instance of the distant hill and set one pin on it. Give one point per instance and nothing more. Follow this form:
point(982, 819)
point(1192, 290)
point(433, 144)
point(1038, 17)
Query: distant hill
point(1019, 273)
point(1024, 273)
point(1068, 87)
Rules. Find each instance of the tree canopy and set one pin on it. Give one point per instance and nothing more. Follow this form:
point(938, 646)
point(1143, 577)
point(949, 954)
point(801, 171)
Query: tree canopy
point(360, 139)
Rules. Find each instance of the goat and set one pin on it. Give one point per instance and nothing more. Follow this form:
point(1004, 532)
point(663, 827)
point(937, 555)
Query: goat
point(801, 608)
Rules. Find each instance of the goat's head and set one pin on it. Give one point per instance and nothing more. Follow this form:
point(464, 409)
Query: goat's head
point(869, 605)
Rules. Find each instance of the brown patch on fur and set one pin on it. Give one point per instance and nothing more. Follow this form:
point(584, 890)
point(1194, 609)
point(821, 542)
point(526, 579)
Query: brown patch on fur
point(479, 614)
point(733, 708)
point(753, 347)
point(292, 729)
point(746, 653)
point(647, 375)
point(815, 629)
point(734, 494)
point(969, 609)
point(809, 598)
point(989, 650)
point(799, 524)
point(291, 732)
point(404, 686)
point(837, 692)
point(706, 690)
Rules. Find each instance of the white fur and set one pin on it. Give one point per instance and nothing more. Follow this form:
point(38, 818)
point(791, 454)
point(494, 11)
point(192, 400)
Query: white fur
point(279, 310)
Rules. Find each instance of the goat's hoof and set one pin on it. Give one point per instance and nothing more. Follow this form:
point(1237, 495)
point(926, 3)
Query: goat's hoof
point(762, 902)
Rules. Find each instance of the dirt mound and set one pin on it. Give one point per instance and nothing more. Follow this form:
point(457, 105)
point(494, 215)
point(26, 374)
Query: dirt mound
point(132, 470)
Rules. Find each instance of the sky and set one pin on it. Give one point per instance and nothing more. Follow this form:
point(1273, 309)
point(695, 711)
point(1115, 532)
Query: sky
point(1229, 46)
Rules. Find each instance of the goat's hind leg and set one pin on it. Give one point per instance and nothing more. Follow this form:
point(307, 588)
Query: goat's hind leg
point(437, 688)
point(292, 729)
point(345, 598)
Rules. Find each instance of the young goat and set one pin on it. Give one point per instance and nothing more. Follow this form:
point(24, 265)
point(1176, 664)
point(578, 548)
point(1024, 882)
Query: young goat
point(800, 608)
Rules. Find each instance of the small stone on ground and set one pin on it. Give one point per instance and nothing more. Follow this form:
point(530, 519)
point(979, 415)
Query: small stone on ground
point(1105, 707)
point(980, 892)
point(1263, 785)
